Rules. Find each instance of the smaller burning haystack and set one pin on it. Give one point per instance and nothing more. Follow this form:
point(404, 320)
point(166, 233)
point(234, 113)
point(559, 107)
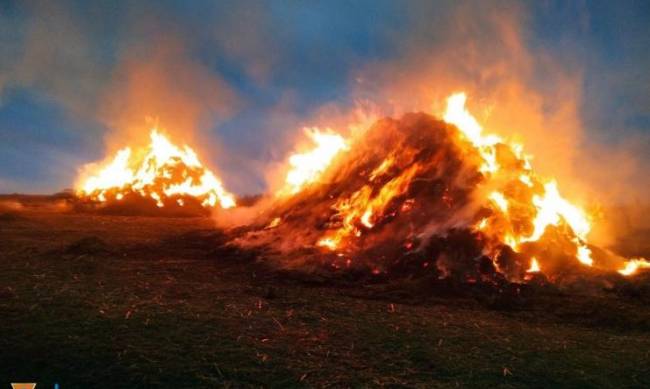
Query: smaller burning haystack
point(422, 194)
point(161, 173)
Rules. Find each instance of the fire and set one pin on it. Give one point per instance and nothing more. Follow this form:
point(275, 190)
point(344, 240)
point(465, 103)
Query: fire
point(365, 206)
point(633, 265)
point(307, 167)
point(457, 114)
point(443, 191)
point(160, 171)
point(547, 205)
point(500, 201)
point(551, 208)
point(524, 206)
point(534, 266)
point(418, 190)
point(115, 174)
point(274, 223)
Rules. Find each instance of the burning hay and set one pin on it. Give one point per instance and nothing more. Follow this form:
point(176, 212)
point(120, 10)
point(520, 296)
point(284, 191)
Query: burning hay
point(161, 172)
point(422, 194)
point(415, 194)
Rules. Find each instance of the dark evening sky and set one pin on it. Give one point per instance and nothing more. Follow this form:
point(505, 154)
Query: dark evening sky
point(244, 77)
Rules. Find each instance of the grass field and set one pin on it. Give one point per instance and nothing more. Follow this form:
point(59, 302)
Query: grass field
point(92, 301)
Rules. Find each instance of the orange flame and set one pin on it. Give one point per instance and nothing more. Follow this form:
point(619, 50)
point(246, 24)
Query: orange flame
point(307, 167)
point(633, 265)
point(364, 206)
point(549, 207)
point(160, 171)
point(534, 266)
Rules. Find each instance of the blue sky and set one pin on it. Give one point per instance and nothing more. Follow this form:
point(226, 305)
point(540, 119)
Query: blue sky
point(248, 75)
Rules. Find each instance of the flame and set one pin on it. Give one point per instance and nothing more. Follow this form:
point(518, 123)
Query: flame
point(365, 206)
point(583, 254)
point(534, 266)
point(381, 169)
point(328, 242)
point(307, 167)
point(458, 115)
point(159, 171)
point(551, 208)
point(274, 223)
point(115, 175)
point(499, 200)
point(548, 206)
point(633, 265)
point(525, 178)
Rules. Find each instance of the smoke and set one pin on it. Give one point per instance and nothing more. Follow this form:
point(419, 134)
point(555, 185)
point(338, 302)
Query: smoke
point(482, 49)
point(126, 67)
point(240, 80)
point(519, 88)
point(163, 84)
point(49, 48)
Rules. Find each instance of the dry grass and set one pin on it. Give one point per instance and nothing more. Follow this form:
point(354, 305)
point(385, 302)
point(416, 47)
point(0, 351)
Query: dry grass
point(116, 301)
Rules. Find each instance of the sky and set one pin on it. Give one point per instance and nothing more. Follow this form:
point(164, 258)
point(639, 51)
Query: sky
point(240, 79)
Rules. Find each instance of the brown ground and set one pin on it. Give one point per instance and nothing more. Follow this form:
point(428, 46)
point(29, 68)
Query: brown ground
point(122, 301)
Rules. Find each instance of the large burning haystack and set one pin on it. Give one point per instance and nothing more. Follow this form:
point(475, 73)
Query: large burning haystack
point(419, 194)
point(160, 174)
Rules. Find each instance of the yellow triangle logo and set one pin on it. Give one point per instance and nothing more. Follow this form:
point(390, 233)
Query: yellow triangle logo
point(23, 386)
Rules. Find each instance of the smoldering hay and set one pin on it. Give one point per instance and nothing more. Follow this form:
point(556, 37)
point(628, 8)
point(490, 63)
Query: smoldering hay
point(411, 194)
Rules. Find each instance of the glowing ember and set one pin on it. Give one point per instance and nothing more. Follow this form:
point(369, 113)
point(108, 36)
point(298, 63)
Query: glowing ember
point(160, 171)
point(307, 167)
